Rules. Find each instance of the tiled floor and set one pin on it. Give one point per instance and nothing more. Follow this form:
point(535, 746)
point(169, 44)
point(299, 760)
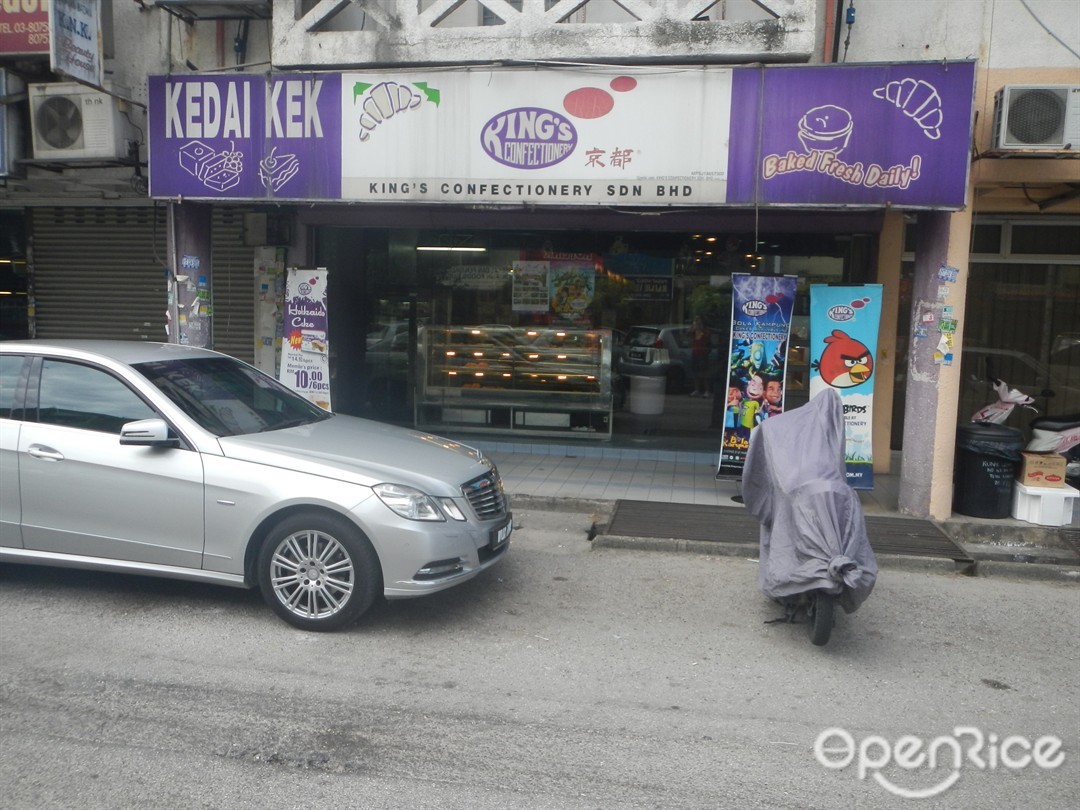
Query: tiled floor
point(629, 473)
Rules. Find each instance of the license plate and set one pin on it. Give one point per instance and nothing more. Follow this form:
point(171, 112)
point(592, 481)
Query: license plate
point(637, 355)
point(501, 535)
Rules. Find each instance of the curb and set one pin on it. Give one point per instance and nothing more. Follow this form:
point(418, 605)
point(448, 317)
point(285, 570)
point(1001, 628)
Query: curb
point(1024, 570)
point(746, 550)
point(985, 565)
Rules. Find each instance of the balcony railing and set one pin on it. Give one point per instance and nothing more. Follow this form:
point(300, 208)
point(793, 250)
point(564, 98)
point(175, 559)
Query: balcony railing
point(395, 33)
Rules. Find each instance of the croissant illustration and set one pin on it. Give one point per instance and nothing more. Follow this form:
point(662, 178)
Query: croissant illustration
point(918, 100)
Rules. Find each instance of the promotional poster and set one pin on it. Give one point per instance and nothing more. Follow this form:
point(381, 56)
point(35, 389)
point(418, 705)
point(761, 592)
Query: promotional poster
point(761, 308)
point(305, 348)
point(843, 344)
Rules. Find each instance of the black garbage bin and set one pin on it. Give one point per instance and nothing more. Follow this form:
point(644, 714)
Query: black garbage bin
point(986, 459)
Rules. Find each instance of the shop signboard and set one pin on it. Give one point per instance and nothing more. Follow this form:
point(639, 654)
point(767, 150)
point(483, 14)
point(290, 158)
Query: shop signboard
point(865, 135)
point(844, 322)
point(245, 136)
point(648, 278)
point(24, 27)
point(75, 39)
point(305, 346)
point(870, 135)
point(761, 308)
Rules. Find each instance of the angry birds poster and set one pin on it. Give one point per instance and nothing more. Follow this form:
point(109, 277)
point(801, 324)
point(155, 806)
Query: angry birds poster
point(843, 349)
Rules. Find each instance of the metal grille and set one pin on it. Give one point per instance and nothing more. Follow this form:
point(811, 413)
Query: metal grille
point(485, 495)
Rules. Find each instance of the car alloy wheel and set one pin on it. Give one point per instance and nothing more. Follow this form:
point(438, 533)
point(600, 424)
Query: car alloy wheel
point(318, 572)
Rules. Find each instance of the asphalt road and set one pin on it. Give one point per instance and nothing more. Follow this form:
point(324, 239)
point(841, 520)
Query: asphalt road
point(566, 677)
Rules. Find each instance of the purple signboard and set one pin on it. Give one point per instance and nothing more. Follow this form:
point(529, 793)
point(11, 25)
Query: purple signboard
point(242, 136)
point(829, 135)
point(852, 135)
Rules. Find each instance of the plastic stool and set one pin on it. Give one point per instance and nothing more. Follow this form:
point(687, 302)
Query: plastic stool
point(1047, 506)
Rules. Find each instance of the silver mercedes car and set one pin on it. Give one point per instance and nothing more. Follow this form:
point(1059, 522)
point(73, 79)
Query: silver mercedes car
point(178, 462)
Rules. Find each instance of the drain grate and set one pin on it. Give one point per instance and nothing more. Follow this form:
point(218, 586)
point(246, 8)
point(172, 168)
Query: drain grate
point(719, 524)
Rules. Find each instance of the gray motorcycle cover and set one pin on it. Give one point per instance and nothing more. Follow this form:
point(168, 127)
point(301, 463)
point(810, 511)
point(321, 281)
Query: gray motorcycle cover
point(813, 533)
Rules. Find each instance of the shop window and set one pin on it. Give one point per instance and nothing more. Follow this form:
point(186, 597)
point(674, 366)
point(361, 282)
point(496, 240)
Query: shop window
point(986, 239)
point(1045, 240)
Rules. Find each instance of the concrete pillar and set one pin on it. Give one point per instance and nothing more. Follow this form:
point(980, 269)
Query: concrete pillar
point(933, 387)
point(889, 257)
point(190, 274)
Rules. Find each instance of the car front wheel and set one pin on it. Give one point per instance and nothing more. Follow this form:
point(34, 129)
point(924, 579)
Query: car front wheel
point(318, 572)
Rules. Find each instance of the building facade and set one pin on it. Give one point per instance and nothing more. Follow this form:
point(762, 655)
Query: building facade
point(98, 241)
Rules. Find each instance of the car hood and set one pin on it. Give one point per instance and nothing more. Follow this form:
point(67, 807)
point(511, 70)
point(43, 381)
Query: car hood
point(363, 452)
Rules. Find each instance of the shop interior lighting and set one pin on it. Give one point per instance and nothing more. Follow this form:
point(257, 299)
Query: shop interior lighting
point(448, 249)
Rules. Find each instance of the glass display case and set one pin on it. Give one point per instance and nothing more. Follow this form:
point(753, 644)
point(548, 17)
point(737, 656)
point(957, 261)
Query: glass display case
point(529, 380)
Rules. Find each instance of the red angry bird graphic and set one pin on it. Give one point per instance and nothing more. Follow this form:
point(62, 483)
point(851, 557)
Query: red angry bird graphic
point(845, 362)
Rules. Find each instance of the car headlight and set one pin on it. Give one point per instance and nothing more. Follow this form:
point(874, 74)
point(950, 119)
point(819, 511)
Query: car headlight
point(411, 504)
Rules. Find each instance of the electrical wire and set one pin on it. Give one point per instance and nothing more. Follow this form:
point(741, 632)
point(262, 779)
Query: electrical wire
point(1045, 28)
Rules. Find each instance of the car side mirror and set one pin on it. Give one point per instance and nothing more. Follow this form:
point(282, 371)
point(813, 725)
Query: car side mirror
point(148, 433)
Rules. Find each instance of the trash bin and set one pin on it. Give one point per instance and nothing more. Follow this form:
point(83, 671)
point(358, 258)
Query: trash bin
point(646, 402)
point(986, 459)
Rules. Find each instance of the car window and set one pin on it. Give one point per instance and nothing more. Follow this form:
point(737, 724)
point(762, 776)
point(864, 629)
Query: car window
point(681, 337)
point(229, 398)
point(74, 395)
point(10, 367)
point(642, 337)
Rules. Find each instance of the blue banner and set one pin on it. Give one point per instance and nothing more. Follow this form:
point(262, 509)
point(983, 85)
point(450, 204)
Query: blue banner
point(761, 308)
point(843, 345)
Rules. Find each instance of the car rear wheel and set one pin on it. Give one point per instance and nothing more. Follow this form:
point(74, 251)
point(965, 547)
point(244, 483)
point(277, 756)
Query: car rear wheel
point(318, 572)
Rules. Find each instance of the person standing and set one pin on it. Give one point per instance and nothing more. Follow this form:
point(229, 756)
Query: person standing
point(700, 347)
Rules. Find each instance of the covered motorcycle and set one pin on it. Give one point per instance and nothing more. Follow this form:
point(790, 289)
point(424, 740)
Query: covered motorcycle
point(814, 548)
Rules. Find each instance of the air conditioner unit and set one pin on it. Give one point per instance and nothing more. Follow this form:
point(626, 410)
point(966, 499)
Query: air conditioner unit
point(71, 121)
point(1044, 118)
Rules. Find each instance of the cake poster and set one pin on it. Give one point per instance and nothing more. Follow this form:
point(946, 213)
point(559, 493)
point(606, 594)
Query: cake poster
point(305, 346)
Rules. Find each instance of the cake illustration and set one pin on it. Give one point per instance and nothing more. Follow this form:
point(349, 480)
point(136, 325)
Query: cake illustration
point(825, 129)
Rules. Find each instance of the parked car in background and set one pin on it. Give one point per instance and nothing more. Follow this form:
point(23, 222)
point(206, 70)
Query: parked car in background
point(179, 462)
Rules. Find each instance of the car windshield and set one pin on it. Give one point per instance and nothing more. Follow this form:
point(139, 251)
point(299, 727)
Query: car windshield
point(229, 398)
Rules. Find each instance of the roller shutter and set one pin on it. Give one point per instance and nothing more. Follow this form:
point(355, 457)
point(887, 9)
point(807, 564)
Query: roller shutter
point(99, 272)
point(233, 285)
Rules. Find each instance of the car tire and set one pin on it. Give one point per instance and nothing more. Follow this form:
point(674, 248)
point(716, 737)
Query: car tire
point(318, 572)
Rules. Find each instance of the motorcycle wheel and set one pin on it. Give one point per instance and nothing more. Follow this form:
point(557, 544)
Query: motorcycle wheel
point(821, 618)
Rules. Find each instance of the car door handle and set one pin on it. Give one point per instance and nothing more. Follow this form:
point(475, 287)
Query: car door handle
point(45, 453)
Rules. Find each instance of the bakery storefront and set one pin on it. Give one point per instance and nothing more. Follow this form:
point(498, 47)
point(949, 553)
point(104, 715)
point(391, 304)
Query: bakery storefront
point(523, 252)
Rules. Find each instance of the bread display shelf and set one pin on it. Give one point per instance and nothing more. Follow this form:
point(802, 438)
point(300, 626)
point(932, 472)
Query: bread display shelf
point(537, 380)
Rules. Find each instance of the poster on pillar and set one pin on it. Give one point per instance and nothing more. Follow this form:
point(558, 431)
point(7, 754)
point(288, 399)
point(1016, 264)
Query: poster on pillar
point(305, 346)
point(843, 344)
point(761, 308)
point(269, 301)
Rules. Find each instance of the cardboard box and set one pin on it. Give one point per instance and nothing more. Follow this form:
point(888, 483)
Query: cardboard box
point(1042, 470)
